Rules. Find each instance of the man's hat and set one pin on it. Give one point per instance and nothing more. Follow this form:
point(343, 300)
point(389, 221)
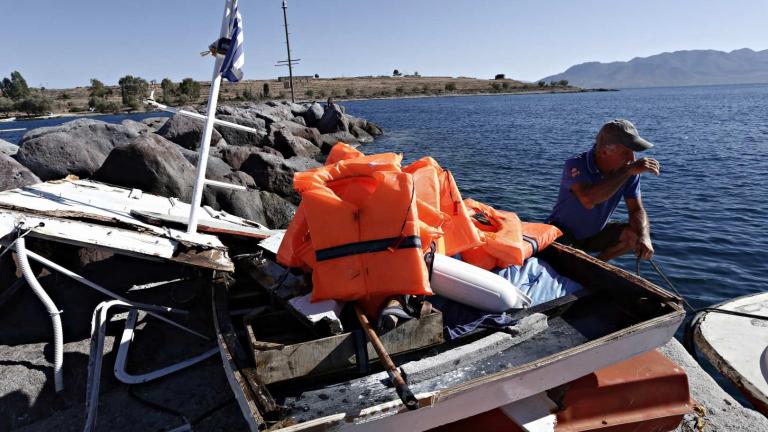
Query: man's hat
point(624, 132)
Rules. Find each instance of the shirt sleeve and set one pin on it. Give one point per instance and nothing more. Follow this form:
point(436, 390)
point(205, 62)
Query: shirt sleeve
point(632, 187)
point(575, 171)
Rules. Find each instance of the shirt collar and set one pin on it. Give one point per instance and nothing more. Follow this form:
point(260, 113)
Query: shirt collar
point(591, 162)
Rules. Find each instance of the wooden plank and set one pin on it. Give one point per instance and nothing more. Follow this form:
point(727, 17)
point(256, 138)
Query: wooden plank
point(338, 353)
point(254, 398)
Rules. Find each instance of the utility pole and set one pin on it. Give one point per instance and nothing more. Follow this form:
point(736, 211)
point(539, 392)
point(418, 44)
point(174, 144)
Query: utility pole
point(288, 46)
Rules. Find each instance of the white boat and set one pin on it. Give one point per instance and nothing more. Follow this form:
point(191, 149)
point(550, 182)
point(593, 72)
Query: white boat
point(738, 346)
point(7, 120)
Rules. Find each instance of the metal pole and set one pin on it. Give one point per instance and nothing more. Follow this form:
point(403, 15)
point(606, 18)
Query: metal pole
point(288, 46)
point(205, 140)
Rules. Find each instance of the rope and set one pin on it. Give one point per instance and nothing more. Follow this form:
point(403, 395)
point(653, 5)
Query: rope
point(696, 315)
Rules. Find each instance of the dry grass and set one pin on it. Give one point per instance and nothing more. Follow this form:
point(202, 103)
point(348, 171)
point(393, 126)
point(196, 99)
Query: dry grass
point(76, 99)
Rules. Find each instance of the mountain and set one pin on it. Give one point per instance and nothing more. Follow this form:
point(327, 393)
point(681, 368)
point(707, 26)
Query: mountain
point(679, 68)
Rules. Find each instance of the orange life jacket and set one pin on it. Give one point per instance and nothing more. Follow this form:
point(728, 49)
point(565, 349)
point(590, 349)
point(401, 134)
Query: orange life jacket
point(358, 229)
point(341, 151)
point(508, 241)
point(437, 188)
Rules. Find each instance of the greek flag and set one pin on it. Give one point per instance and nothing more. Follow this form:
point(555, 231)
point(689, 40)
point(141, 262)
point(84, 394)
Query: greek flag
point(232, 68)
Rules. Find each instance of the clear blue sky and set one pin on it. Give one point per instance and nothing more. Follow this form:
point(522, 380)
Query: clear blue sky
point(64, 43)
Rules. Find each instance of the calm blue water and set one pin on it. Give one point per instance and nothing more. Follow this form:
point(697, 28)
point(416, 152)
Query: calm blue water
point(708, 209)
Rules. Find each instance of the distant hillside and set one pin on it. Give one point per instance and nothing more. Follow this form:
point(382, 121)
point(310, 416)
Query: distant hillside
point(679, 68)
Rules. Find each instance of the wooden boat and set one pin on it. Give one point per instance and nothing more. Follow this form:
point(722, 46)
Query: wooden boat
point(618, 317)
point(738, 346)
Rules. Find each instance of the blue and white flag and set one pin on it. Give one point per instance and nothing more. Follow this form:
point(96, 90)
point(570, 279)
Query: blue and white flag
point(232, 68)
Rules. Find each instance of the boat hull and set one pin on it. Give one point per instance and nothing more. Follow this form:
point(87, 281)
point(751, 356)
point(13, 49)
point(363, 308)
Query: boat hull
point(450, 403)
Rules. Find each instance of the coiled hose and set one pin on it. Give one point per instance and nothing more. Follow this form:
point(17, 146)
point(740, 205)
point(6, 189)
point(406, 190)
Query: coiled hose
point(58, 337)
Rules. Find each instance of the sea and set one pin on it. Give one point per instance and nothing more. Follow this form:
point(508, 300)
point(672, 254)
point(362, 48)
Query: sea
point(708, 208)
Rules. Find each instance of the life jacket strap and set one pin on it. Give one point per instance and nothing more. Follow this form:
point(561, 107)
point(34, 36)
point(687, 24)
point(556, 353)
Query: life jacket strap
point(368, 246)
point(534, 244)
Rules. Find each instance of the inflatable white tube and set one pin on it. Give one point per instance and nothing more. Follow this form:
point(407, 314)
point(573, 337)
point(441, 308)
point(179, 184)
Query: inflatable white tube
point(473, 286)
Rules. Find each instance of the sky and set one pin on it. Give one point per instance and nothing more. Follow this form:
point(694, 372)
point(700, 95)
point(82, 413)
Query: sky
point(60, 44)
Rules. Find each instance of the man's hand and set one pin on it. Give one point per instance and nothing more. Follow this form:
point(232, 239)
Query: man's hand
point(644, 165)
point(644, 248)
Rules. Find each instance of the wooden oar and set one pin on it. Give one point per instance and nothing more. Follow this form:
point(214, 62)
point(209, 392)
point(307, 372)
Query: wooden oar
point(405, 393)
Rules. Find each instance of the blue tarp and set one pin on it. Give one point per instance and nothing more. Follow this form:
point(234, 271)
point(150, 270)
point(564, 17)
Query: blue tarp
point(537, 279)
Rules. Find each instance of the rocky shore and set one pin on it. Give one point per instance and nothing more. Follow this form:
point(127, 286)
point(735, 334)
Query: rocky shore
point(159, 155)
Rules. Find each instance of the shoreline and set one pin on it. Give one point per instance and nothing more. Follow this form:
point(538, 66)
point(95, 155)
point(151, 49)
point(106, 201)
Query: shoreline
point(67, 114)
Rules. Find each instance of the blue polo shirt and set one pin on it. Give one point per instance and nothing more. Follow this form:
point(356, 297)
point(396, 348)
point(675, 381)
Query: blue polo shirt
point(570, 214)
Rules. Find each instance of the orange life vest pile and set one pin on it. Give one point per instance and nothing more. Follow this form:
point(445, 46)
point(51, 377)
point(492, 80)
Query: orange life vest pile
point(365, 222)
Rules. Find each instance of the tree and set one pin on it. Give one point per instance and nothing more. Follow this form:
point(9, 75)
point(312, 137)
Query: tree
point(35, 104)
point(132, 90)
point(553, 83)
point(542, 83)
point(191, 88)
point(499, 77)
point(15, 87)
point(396, 73)
point(309, 93)
point(317, 76)
point(6, 105)
point(169, 89)
point(450, 87)
point(97, 88)
point(562, 83)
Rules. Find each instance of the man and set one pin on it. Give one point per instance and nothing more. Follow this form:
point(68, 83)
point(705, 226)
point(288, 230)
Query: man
point(594, 182)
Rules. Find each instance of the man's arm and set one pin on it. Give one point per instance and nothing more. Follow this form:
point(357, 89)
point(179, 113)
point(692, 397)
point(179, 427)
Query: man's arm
point(592, 194)
point(638, 221)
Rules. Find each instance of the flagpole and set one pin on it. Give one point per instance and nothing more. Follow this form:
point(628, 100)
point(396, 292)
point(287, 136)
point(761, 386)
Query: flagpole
point(205, 140)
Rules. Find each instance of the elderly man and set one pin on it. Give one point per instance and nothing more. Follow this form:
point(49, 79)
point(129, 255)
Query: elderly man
point(594, 182)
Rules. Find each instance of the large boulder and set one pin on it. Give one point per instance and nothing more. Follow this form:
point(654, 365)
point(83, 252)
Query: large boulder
point(330, 140)
point(275, 174)
point(187, 131)
point(290, 145)
point(8, 149)
point(246, 204)
point(361, 135)
point(235, 156)
point(237, 137)
point(333, 120)
point(155, 123)
point(278, 212)
point(14, 175)
point(372, 128)
point(216, 169)
point(308, 133)
point(78, 147)
point(135, 126)
point(270, 113)
point(313, 114)
point(150, 163)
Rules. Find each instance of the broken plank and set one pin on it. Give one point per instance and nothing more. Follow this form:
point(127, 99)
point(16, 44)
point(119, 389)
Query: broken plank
point(119, 240)
point(338, 353)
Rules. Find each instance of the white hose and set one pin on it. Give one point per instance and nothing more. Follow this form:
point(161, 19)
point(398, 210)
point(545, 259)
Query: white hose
point(58, 338)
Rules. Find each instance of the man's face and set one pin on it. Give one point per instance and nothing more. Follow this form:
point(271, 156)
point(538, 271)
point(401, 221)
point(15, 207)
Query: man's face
point(615, 158)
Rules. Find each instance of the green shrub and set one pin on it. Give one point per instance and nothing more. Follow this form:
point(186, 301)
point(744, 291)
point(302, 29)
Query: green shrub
point(350, 92)
point(450, 87)
point(496, 86)
point(309, 93)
